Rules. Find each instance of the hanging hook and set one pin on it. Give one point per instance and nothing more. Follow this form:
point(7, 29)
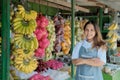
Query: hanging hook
point(46, 8)
point(32, 4)
point(39, 6)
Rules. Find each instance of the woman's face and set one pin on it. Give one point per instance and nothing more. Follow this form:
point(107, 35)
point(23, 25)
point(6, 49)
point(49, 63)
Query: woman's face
point(89, 32)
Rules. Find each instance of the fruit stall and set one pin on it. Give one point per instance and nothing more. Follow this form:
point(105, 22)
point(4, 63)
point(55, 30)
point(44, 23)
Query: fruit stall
point(37, 37)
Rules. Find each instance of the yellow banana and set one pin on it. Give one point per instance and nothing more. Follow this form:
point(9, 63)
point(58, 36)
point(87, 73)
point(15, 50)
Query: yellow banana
point(110, 33)
point(114, 26)
point(113, 46)
point(17, 19)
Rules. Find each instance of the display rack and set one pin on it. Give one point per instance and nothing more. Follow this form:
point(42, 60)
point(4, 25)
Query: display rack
point(5, 34)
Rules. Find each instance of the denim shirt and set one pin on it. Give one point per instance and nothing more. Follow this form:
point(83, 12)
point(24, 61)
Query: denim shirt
point(75, 53)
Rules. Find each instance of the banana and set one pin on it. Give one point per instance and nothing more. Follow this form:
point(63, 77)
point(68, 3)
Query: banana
point(35, 41)
point(17, 23)
point(113, 38)
point(17, 19)
point(21, 8)
point(113, 46)
point(110, 33)
point(114, 26)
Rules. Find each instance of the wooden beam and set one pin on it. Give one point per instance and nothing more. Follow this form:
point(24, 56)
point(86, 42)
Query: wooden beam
point(89, 3)
point(86, 3)
point(92, 0)
point(100, 5)
point(67, 4)
point(115, 0)
point(50, 4)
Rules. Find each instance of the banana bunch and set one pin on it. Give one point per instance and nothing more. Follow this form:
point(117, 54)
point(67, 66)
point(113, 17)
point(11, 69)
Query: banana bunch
point(113, 46)
point(26, 65)
point(113, 38)
point(22, 26)
point(82, 23)
point(27, 15)
point(113, 26)
point(26, 41)
point(24, 52)
point(79, 30)
point(110, 33)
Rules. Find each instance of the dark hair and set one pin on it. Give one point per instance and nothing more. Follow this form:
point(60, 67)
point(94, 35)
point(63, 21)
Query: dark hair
point(98, 40)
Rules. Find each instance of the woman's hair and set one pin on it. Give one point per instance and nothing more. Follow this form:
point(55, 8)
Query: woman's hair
point(98, 40)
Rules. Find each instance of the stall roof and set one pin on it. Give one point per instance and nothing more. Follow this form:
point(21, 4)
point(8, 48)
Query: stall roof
point(111, 4)
point(81, 4)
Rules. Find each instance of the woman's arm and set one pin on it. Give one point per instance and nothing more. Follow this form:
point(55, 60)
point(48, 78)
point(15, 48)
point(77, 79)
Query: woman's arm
point(91, 62)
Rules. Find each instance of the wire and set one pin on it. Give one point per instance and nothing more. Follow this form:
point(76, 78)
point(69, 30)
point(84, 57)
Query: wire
point(39, 7)
point(46, 8)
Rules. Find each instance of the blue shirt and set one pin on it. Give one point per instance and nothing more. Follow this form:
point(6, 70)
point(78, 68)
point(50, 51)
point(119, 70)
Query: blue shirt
point(85, 44)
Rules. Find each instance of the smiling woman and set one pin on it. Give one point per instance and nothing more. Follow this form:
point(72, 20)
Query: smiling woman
point(90, 54)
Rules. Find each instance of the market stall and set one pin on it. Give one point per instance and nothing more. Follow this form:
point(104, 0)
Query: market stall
point(37, 37)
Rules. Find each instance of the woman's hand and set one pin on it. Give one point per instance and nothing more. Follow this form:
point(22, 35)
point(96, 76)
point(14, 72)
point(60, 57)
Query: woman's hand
point(94, 62)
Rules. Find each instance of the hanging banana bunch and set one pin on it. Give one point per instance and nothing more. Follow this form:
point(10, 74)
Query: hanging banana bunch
point(113, 26)
point(24, 52)
point(27, 15)
point(79, 30)
point(113, 36)
point(26, 65)
point(26, 41)
point(23, 26)
point(82, 23)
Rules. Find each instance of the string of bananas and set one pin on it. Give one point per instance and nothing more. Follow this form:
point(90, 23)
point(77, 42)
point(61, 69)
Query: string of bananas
point(24, 52)
point(27, 15)
point(113, 38)
point(113, 46)
point(113, 26)
point(110, 33)
point(22, 26)
point(26, 65)
point(29, 42)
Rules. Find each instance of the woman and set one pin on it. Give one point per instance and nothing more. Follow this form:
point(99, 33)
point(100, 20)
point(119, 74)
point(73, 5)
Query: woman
point(90, 54)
